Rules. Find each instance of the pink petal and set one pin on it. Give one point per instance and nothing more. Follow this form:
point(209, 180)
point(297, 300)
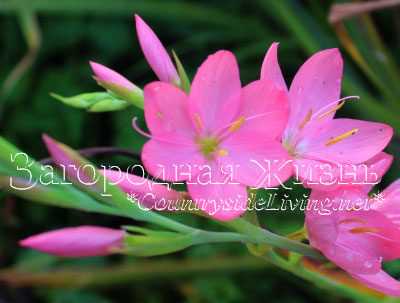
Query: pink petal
point(270, 68)
point(108, 75)
point(317, 175)
point(351, 260)
point(383, 245)
point(390, 205)
point(148, 193)
point(323, 224)
point(321, 220)
point(363, 176)
point(261, 162)
point(370, 140)
point(373, 171)
point(316, 86)
point(393, 189)
point(325, 176)
point(155, 53)
point(172, 162)
point(264, 106)
point(215, 92)
point(166, 110)
point(225, 201)
point(82, 241)
point(381, 282)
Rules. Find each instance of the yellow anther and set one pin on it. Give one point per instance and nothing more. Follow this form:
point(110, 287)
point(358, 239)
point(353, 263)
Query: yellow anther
point(354, 209)
point(351, 220)
point(199, 124)
point(222, 152)
point(235, 126)
point(331, 111)
point(359, 230)
point(159, 115)
point(306, 119)
point(341, 137)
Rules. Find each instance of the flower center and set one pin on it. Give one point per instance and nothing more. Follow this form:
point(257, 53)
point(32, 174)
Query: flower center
point(208, 145)
point(209, 142)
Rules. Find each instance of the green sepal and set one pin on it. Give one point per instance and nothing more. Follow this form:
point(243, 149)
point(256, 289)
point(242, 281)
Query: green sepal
point(94, 102)
point(185, 83)
point(154, 243)
point(133, 97)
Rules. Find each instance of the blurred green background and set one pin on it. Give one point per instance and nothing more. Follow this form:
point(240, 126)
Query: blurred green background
point(45, 46)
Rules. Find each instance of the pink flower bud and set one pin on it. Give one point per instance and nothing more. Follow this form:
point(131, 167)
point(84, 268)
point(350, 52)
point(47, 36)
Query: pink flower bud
point(155, 53)
point(81, 241)
point(64, 159)
point(106, 74)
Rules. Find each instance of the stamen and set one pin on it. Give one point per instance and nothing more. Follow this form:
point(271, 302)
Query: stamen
point(223, 131)
point(354, 209)
point(306, 119)
point(351, 220)
point(159, 115)
point(235, 126)
point(199, 124)
point(359, 230)
point(155, 137)
point(222, 152)
point(341, 137)
point(330, 104)
point(297, 136)
point(134, 124)
point(331, 111)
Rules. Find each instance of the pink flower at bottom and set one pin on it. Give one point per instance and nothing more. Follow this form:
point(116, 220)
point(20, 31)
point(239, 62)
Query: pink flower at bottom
point(74, 242)
point(359, 239)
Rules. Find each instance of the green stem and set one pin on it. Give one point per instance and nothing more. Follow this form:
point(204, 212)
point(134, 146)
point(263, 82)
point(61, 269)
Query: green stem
point(318, 279)
point(263, 236)
point(152, 217)
point(202, 237)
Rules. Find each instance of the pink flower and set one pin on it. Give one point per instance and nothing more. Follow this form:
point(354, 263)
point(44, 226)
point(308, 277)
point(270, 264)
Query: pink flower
point(148, 193)
point(81, 241)
point(156, 54)
point(106, 74)
point(359, 240)
point(218, 125)
point(312, 136)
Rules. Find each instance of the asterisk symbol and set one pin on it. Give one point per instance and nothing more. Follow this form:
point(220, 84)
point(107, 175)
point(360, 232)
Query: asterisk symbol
point(132, 197)
point(379, 197)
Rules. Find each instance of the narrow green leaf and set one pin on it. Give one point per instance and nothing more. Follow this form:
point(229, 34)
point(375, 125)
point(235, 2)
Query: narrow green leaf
point(185, 83)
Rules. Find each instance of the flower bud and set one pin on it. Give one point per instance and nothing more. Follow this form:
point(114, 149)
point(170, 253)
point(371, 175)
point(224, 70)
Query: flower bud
point(155, 53)
point(81, 241)
point(117, 84)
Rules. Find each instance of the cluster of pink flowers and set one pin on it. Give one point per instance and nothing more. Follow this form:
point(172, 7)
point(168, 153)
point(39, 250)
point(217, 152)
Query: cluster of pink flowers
point(221, 124)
